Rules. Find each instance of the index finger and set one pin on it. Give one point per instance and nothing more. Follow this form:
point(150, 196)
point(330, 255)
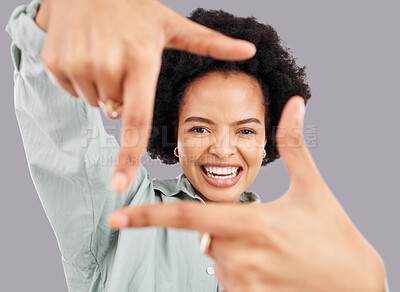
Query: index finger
point(138, 98)
point(201, 40)
point(219, 219)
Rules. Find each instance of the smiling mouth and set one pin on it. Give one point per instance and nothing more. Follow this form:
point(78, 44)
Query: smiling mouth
point(221, 173)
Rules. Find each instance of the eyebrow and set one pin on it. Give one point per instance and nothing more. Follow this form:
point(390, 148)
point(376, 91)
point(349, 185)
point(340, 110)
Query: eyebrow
point(204, 120)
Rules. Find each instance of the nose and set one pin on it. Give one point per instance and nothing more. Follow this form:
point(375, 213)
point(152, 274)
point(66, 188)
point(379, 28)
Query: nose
point(223, 145)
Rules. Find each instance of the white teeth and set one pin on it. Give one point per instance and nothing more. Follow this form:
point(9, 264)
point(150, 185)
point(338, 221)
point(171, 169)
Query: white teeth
point(221, 177)
point(222, 171)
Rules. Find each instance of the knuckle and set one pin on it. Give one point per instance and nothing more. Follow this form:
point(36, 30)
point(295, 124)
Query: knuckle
point(135, 122)
point(182, 215)
point(52, 65)
point(208, 49)
point(144, 216)
point(295, 137)
point(77, 67)
point(48, 58)
point(264, 236)
point(143, 55)
point(106, 70)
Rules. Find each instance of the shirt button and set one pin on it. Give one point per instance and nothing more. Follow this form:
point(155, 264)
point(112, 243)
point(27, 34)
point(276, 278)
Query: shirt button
point(210, 270)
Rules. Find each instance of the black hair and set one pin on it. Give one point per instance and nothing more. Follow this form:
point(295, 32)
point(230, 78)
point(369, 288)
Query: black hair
point(273, 66)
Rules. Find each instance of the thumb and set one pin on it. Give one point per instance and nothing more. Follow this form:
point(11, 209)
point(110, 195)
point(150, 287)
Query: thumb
point(292, 147)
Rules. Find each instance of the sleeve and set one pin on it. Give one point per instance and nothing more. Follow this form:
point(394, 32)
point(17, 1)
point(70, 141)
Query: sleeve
point(69, 154)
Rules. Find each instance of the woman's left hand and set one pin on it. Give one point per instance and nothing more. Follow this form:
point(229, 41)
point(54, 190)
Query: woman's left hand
point(303, 241)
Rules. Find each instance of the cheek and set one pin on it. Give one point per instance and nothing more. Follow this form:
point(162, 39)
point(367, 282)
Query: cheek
point(253, 157)
point(252, 154)
point(191, 148)
point(252, 147)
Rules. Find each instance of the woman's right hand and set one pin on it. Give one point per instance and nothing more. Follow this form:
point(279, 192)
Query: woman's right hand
point(302, 241)
point(101, 50)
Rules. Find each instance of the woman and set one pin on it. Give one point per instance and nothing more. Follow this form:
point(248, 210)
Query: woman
point(199, 100)
point(71, 158)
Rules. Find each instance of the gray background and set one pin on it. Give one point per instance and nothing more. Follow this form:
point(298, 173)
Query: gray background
point(351, 49)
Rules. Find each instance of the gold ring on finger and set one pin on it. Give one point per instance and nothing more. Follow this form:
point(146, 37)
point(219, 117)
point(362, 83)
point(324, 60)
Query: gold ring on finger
point(113, 108)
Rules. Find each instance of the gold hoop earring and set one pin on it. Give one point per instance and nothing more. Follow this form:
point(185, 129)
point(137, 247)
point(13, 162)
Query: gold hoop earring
point(265, 153)
point(176, 152)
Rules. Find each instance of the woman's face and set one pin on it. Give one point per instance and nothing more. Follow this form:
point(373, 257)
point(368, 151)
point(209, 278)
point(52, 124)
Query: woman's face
point(221, 134)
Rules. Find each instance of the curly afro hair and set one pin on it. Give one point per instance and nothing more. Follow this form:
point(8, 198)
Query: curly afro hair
point(272, 66)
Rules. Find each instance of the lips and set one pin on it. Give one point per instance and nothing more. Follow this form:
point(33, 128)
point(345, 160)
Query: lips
point(221, 165)
point(220, 182)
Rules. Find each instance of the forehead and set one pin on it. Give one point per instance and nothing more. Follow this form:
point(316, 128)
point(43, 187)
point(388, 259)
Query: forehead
point(223, 97)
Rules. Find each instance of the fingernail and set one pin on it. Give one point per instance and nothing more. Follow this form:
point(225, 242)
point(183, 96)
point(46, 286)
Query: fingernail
point(250, 46)
point(119, 181)
point(301, 112)
point(119, 220)
point(253, 49)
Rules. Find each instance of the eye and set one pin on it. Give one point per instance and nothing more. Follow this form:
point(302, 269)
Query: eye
point(199, 130)
point(247, 131)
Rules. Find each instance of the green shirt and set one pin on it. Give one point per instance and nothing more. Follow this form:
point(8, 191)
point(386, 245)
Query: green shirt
point(71, 159)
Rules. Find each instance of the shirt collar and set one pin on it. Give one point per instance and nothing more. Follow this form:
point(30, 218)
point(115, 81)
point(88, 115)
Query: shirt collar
point(184, 185)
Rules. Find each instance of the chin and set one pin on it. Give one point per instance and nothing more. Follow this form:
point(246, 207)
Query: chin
point(219, 194)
